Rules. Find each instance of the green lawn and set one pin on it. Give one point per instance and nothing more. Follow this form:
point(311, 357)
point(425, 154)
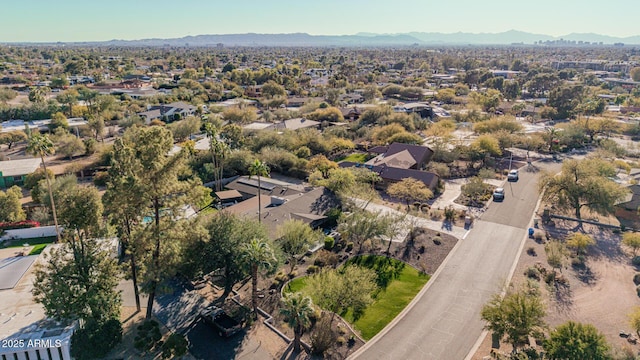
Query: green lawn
point(357, 158)
point(389, 302)
point(399, 285)
point(30, 241)
point(296, 285)
point(38, 249)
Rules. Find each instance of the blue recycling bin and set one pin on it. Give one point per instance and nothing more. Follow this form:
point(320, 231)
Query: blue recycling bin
point(531, 231)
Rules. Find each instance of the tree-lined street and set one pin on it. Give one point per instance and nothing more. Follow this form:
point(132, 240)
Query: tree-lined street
point(444, 321)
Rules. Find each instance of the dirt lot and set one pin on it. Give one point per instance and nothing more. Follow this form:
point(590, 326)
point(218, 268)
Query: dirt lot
point(601, 293)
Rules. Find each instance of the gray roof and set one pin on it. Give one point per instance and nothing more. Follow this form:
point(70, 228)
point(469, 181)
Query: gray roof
point(19, 167)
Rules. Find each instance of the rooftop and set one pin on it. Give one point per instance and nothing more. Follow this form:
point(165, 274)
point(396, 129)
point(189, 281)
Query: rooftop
point(19, 167)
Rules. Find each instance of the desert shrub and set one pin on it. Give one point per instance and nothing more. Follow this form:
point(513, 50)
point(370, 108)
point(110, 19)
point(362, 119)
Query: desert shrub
point(537, 236)
point(312, 269)
point(449, 213)
point(437, 240)
point(322, 336)
point(549, 277)
point(342, 329)
point(532, 273)
point(531, 251)
point(636, 279)
point(485, 173)
point(636, 260)
point(325, 258)
point(421, 249)
point(175, 346)
point(292, 274)
point(341, 340)
point(328, 242)
point(349, 246)
point(436, 214)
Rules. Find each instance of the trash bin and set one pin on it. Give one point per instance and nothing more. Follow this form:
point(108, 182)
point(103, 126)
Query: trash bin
point(531, 231)
point(467, 220)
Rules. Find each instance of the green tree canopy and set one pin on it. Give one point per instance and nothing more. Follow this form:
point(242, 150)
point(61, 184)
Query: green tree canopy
point(295, 239)
point(10, 206)
point(517, 315)
point(576, 341)
point(297, 310)
point(583, 184)
point(410, 189)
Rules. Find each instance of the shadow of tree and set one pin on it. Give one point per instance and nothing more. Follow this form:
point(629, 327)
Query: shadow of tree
point(563, 297)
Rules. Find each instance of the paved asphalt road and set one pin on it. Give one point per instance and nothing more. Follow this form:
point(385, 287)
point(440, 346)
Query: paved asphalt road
point(444, 322)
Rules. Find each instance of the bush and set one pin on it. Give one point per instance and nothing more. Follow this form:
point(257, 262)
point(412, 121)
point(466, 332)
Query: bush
point(349, 246)
point(312, 269)
point(449, 213)
point(550, 277)
point(175, 346)
point(341, 340)
point(531, 251)
point(148, 336)
point(96, 340)
point(322, 336)
point(635, 261)
point(328, 242)
point(532, 273)
point(437, 240)
point(636, 279)
point(325, 258)
point(100, 178)
point(24, 224)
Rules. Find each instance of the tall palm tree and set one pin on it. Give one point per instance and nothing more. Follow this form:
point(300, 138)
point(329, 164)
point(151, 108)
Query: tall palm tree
point(259, 168)
point(258, 255)
point(41, 145)
point(297, 308)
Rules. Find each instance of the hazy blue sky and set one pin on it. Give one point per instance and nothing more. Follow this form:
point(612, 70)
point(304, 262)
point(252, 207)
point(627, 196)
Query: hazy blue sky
point(82, 20)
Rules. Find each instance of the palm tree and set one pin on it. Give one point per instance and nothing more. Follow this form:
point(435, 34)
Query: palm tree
point(297, 308)
point(259, 168)
point(41, 145)
point(257, 255)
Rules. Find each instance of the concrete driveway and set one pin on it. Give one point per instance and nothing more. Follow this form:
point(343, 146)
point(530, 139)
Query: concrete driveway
point(443, 321)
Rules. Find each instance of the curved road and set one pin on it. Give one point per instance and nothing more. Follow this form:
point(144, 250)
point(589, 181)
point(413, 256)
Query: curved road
point(443, 322)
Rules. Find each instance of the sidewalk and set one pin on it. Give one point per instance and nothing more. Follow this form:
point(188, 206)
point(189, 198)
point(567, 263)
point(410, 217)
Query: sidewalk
point(413, 221)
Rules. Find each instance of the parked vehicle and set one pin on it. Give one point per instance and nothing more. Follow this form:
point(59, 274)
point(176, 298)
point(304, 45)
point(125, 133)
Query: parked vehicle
point(498, 194)
point(513, 175)
point(218, 319)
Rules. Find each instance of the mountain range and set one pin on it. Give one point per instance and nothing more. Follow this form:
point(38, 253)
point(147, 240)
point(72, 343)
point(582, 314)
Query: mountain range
point(368, 39)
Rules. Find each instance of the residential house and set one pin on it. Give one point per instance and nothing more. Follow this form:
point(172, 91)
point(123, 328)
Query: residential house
point(296, 124)
point(168, 112)
point(248, 187)
point(392, 175)
point(404, 156)
point(309, 207)
point(14, 172)
point(351, 113)
point(229, 197)
point(420, 108)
